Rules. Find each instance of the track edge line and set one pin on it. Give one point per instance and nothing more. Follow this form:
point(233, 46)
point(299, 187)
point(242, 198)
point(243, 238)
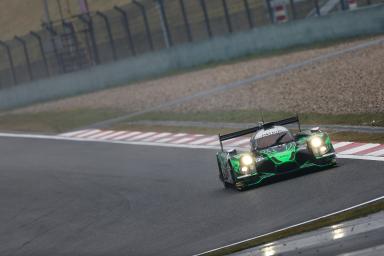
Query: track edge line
point(356, 211)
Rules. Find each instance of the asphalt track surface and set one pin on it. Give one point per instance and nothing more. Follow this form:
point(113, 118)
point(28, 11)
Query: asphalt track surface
point(88, 198)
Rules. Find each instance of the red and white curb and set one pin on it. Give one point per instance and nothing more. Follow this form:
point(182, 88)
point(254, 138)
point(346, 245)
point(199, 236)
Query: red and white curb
point(191, 140)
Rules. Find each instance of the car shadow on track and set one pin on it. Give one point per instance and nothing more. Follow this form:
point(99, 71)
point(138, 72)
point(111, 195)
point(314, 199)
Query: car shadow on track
point(284, 177)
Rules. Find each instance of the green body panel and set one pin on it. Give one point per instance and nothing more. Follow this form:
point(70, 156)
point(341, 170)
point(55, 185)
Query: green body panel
point(293, 156)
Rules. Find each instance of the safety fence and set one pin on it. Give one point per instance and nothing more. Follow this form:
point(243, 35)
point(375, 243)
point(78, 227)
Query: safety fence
point(140, 27)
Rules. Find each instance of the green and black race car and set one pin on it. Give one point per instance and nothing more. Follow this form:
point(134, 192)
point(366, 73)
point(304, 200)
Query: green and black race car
point(274, 151)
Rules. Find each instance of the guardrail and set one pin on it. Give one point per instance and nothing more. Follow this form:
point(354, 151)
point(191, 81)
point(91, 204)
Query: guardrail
point(140, 27)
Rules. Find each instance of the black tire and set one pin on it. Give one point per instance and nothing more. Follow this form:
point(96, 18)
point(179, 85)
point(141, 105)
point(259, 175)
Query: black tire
point(231, 172)
point(226, 185)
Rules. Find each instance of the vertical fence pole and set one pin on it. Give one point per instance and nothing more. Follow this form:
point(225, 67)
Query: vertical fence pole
point(52, 34)
point(26, 54)
point(293, 8)
point(317, 7)
point(343, 5)
point(127, 29)
point(248, 12)
point(110, 37)
point(40, 42)
point(10, 59)
point(206, 18)
point(164, 23)
point(146, 25)
point(76, 42)
point(186, 21)
point(227, 18)
point(89, 24)
point(270, 11)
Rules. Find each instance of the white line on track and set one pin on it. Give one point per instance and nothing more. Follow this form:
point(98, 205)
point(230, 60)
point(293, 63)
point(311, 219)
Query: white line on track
point(100, 135)
point(184, 140)
point(115, 134)
point(296, 225)
point(142, 136)
point(341, 144)
point(157, 144)
point(359, 148)
point(173, 137)
point(203, 140)
point(158, 136)
point(377, 153)
point(75, 133)
point(239, 142)
point(128, 135)
point(87, 133)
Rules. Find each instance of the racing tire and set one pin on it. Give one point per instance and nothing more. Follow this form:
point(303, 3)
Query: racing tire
point(226, 185)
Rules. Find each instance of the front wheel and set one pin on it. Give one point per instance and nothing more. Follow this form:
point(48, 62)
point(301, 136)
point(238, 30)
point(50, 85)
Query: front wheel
point(221, 177)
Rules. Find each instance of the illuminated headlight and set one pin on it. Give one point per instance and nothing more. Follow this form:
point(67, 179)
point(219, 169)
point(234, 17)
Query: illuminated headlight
point(316, 142)
point(323, 150)
point(244, 169)
point(247, 160)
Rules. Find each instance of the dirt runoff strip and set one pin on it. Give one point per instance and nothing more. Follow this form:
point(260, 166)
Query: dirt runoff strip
point(240, 83)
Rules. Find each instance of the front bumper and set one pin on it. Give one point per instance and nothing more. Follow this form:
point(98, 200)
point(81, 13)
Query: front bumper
point(325, 161)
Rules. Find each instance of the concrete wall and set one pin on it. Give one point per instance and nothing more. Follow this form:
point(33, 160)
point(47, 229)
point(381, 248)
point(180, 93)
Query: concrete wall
point(363, 21)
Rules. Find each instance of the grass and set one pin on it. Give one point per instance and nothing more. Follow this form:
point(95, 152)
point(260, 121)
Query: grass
point(358, 137)
point(254, 116)
point(62, 121)
point(313, 225)
point(53, 122)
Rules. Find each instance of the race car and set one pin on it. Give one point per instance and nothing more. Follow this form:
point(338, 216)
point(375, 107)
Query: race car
point(274, 151)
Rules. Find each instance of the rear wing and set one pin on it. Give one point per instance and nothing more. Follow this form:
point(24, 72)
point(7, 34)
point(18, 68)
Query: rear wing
point(229, 136)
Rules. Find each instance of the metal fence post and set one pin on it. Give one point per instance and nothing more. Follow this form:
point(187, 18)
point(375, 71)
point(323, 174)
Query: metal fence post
point(76, 42)
point(127, 29)
point(186, 21)
point(26, 54)
point(38, 38)
point(317, 7)
point(110, 37)
point(164, 23)
point(89, 24)
point(270, 11)
point(227, 18)
point(248, 12)
point(206, 18)
point(343, 5)
point(10, 59)
point(293, 8)
point(147, 30)
point(52, 34)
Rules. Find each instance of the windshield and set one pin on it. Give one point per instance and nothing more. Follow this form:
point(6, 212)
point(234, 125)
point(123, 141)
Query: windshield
point(273, 139)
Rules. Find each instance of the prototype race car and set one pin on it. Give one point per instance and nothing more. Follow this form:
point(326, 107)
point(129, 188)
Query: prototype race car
point(274, 151)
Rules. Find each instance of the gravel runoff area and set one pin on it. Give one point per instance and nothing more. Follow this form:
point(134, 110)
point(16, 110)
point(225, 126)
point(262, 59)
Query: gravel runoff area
point(351, 83)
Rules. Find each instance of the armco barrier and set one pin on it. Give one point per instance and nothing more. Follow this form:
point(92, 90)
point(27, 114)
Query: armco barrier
point(307, 31)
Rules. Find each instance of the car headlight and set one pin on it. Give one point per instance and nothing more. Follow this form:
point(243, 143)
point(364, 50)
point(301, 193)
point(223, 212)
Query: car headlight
point(247, 160)
point(323, 150)
point(316, 142)
point(244, 169)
